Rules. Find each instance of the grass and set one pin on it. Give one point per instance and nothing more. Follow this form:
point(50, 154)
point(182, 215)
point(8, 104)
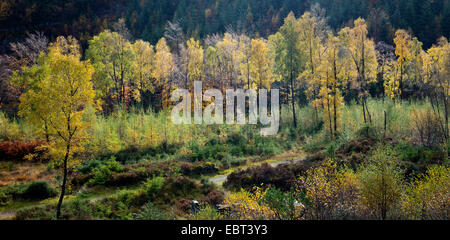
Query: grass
point(24, 172)
point(140, 136)
point(94, 193)
point(399, 119)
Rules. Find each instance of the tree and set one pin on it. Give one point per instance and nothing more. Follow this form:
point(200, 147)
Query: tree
point(402, 41)
point(142, 68)
point(245, 47)
point(63, 99)
point(408, 66)
point(163, 68)
point(416, 65)
point(35, 71)
point(260, 65)
point(364, 62)
point(228, 56)
point(31, 107)
point(381, 182)
point(112, 55)
point(193, 62)
point(437, 73)
point(313, 31)
point(279, 75)
point(288, 55)
point(23, 55)
point(211, 65)
point(391, 76)
point(174, 35)
point(332, 76)
point(385, 56)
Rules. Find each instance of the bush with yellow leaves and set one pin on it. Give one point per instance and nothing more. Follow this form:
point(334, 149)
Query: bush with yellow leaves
point(428, 197)
point(244, 205)
point(330, 193)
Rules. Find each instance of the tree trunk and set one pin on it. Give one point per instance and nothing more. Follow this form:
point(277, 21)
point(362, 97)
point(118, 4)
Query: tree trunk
point(293, 101)
point(446, 116)
point(335, 114)
point(47, 136)
point(385, 124)
point(329, 118)
point(364, 111)
point(367, 110)
point(334, 93)
point(63, 187)
point(401, 82)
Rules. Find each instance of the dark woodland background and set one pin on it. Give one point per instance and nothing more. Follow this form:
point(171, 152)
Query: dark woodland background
point(146, 19)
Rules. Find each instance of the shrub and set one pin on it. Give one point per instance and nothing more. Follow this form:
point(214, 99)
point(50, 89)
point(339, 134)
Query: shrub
point(102, 171)
point(361, 145)
point(428, 196)
point(205, 168)
point(236, 139)
point(79, 210)
point(186, 168)
point(428, 128)
point(129, 197)
point(46, 212)
point(206, 213)
point(101, 176)
point(38, 190)
point(154, 185)
point(183, 186)
point(10, 193)
point(213, 198)
point(127, 178)
point(151, 212)
point(270, 149)
point(31, 191)
point(89, 166)
point(314, 143)
point(282, 176)
point(184, 205)
point(284, 204)
point(198, 168)
point(330, 193)
point(381, 183)
point(17, 151)
point(368, 131)
point(111, 164)
point(244, 205)
point(10, 166)
point(4, 198)
point(114, 165)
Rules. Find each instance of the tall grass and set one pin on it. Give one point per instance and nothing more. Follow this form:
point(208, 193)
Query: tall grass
point(12, 129)
point(138, 129)
point(399, 119)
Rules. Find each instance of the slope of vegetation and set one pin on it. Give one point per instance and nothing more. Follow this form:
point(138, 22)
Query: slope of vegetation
point(147, 19)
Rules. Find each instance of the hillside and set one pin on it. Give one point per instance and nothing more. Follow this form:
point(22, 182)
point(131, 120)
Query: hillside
point(147, 19)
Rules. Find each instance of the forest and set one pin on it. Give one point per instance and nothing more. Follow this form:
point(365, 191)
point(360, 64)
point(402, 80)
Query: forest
point(146, 19)
point(85, 110)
